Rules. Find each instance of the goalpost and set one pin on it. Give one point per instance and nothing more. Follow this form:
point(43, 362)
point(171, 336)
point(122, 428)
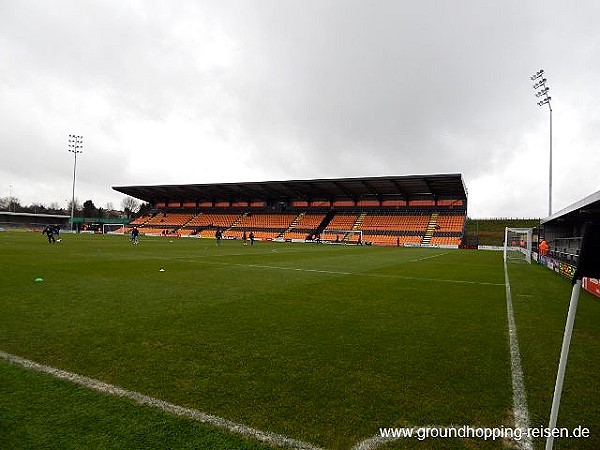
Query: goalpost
point(518, 244)
point(342, 236)
point(113, 228)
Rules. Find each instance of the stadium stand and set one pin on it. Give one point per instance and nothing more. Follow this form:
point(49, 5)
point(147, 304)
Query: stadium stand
point(263, 225)
point(304, 226)
point(412, 210)
point(140, 220)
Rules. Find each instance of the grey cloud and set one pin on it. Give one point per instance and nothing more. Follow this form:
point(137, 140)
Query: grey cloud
point(291, 89)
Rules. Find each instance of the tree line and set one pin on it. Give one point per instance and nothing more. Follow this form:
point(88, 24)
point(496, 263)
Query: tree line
point(129, 207)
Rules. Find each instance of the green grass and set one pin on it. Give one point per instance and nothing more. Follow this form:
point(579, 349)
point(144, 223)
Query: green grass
point(541, 302)
point(325, 344)
point(38, 411)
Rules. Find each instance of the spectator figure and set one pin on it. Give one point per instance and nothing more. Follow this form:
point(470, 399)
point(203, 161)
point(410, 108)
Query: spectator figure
point(543, 248)
point(49, 232)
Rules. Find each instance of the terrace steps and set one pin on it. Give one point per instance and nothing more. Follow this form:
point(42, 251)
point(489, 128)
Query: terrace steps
point(431, 227)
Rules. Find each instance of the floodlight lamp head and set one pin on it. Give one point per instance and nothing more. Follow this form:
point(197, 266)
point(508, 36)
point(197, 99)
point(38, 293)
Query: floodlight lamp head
point(536, 75)
point(542, 92)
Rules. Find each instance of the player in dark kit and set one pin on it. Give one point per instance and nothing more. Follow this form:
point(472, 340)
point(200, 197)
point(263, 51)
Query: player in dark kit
point(135, 235)
point(49, 231)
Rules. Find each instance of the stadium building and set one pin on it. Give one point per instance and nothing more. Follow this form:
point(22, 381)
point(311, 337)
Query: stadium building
point(14, 220)
point(392, 210)
point(563, 231)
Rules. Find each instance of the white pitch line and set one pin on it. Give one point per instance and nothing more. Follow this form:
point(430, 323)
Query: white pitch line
point(357, 274)
point(432, 280)
point(450, 431)
point(520, 409)
point(378, 440)
point(190, 413)
point(428, 257)
point(297, 269)
point(373, 442)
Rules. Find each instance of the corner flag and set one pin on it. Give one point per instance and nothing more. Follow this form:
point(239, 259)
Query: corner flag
point(588, 266)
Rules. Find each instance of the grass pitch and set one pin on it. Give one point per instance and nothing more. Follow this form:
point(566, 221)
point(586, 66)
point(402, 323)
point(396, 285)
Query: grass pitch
point(324, 344)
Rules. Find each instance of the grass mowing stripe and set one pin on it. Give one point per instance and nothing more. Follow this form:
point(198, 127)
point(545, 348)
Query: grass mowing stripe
point(190, 413)
point(521, 410)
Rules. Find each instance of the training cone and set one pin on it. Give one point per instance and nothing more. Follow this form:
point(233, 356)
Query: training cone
point(161, 270)
point(39, 280)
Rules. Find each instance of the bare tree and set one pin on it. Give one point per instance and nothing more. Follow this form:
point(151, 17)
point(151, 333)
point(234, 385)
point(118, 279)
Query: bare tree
point(78, 207)
point(14, 204)
point(130, 206)
point(55, 208)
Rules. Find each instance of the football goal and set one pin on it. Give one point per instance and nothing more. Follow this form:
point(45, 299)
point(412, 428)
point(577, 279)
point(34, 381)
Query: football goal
point(113, 228)
point(342, 236)
point(517, 244)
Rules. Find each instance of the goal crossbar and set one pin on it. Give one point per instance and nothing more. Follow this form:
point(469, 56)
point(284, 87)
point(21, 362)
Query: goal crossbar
point(113, 228)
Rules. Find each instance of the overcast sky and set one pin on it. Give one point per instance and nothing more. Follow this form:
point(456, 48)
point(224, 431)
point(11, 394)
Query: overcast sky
point(204, 91)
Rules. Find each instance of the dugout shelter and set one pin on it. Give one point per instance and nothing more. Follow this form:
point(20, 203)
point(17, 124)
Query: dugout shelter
point(563, 231)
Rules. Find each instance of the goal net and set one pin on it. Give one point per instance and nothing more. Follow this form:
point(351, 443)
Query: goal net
point(342, 236)
point(517, 244)
point(113, 228)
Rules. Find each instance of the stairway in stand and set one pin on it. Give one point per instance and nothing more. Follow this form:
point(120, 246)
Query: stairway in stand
point(237, 221)
point(431, 226)
point(293, 225)
point(355, 227)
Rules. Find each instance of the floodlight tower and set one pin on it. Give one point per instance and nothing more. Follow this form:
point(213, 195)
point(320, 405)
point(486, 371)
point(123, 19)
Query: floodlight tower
point(75, 143)
point(542, 94)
